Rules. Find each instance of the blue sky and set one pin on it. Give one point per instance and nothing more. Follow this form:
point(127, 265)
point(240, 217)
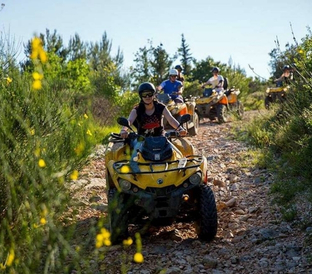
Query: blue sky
point(243, 30)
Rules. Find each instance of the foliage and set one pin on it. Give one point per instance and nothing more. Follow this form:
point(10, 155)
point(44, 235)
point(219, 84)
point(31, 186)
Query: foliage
point(186, 56)
point(287, 130)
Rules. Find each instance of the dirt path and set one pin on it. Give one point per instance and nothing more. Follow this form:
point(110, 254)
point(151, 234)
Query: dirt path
point(252, 237)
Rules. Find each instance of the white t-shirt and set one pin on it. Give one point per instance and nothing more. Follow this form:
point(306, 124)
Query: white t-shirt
point(214, 81)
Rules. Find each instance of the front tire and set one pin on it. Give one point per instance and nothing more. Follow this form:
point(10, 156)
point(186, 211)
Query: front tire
point(194, 130)
point(207, 221)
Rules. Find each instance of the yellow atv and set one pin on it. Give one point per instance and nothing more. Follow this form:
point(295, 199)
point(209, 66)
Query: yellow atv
point(275, 95)
point(212, 106)
point(157, 180)
point(179, 109)
point(218, 106)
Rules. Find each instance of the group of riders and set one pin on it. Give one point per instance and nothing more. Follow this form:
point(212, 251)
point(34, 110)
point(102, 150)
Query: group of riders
point(148, 115)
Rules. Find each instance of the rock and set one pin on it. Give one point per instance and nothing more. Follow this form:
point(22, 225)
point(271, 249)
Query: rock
point(231, 202)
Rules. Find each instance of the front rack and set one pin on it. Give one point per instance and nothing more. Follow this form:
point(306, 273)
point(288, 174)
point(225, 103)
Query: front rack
point(132, 167)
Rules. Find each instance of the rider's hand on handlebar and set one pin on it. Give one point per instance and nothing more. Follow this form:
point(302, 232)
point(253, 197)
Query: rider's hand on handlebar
point(182, 131)
point(124, 134)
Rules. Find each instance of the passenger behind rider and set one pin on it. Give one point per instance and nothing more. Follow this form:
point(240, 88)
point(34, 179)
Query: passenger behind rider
point(148, 115)
point(172, 86)
point(180, 77)
point(216, 81)
point(286, 77)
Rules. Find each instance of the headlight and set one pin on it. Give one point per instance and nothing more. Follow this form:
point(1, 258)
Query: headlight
point(195, 179)
point(124, 184)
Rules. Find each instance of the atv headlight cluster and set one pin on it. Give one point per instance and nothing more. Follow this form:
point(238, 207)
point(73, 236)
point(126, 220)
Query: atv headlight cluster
point(195, 179)
point(124, 184)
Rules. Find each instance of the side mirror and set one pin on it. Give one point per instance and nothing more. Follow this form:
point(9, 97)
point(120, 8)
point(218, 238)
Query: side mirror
point(123, 121)
point(185, 118)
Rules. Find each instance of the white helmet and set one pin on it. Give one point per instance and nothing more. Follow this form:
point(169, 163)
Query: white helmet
point(173, 72)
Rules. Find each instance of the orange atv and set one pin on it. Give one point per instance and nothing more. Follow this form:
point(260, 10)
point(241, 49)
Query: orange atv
point(179, 109)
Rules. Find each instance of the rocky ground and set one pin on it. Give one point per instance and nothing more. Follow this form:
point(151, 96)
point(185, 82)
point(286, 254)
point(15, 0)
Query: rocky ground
point(252, 235)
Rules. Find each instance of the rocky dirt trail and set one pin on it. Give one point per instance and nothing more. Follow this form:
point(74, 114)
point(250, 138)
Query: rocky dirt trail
point(252, 236)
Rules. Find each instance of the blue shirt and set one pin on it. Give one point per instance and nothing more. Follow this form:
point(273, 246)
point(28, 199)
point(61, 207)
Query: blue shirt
point(169, 87)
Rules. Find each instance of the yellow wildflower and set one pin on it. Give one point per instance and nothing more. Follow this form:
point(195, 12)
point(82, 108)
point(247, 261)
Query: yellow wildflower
point(103, 238)
point(128, 242)
point(37, 84)
point(37, 152)
point(89, 132)
point(37, 76)
point(32, 131)
point(36, 43)
point(43, 221)
point(85, 116)
point(74, 175)
point(9, 80)
point(138, 258)
point(10, 258)
point(43, 56)
point(41, 163)
point(79, 149)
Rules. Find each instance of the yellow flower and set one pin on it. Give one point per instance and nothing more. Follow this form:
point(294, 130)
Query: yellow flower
point(128, 242)
point(10, 258)
point(37, 76)
point(41, 163)
point(79, 149)
point(37, 84)
point(103, 238)
point(89, 132)
point(36, 43)
point(34, 54)
point(138, 258)
point(85, 116)
point(32, 131)
point(74, 175)
point(9, 80)
point(43, 56)
point(43, 221)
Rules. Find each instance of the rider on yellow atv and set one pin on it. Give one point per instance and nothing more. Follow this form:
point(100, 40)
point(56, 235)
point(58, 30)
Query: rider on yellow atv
point(148, 115)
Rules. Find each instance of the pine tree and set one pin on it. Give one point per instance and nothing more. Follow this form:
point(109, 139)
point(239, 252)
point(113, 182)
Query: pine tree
point(186, 56)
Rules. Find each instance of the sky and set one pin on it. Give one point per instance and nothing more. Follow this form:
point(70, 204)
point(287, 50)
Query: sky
point(244, 31)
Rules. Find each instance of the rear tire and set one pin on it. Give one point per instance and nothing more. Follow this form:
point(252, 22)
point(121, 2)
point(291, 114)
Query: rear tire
point(207, 221)
point(222, 114)
point(240, 109)
point(267, 102)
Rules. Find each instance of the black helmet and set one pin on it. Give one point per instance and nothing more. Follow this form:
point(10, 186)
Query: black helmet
point(178, 67)
point(146, 86)
point(215, 69)
point(286, 67)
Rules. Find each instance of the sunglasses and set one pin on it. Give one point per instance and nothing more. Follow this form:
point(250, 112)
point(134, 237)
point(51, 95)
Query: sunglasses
point(149, 95)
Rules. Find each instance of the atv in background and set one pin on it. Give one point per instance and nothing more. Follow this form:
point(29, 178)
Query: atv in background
point(275, 95)
point(155, 180)
point(179, 109)
point(219, 106)
point(235, 105)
